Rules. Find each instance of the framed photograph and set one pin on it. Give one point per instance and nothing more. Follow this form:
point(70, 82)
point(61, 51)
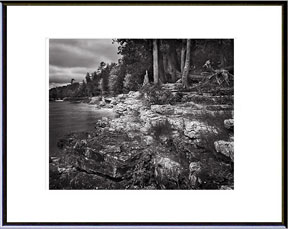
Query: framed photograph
point(144, 114)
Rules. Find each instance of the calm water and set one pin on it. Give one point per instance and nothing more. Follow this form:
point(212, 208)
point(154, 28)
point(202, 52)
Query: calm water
point(66, 117)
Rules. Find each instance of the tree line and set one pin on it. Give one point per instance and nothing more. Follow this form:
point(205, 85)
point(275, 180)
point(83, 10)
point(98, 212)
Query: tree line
point(156, 61)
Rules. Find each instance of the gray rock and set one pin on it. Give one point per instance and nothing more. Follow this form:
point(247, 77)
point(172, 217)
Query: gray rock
point(176, 121)
point(194, 170)
point(225, 148)
point(119, 108)
point(94, 155)
point(148, 140)
point(150, 119)
point(103, 122)
point(112, 149)
point(105, 119)
point(113, 101)
point(194, 129)
point(165, 168)
point(154, 121)
point(125, 123)
point(229, 124)
point(95, 100)
point(225, 187)
point(194, 167)
point(54, 159)
point(102, 103)
point(121, 97)
point(134, 94)
point(162, 109)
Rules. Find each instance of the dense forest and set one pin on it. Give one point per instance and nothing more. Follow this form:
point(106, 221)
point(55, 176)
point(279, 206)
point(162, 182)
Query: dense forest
point(157, 61)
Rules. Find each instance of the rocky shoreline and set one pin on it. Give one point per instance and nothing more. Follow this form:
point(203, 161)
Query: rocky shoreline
point(188, 144)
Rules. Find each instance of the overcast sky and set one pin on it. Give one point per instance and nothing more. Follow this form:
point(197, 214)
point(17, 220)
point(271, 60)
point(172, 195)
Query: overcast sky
point(73, 58)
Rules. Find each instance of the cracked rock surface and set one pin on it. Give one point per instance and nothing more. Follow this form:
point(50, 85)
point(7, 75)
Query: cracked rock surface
point(187, 145)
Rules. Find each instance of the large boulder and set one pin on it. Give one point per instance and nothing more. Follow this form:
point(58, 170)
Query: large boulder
point(134, 94)
point(195, 129)
point(229, 124)
point(225, 148)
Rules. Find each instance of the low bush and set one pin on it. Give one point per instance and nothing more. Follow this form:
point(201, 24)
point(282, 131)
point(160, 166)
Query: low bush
point(217, 121)
point(161, 129)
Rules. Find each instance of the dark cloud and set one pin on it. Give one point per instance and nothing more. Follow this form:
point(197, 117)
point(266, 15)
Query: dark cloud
point(73, 58)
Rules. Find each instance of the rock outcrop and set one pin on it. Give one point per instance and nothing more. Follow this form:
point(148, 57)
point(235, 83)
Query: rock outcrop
point(151, 147)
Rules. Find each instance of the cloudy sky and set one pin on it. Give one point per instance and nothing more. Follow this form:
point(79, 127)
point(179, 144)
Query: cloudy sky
point(73, 58)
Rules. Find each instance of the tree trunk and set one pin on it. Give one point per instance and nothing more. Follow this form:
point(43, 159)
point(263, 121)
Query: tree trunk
point(187, 65)
point(173, 61)
point(167, 67)
point(162, 75)
point(222, 61)
point(183, 56)
point(221, 55)
point(171, 68)
point(155, 62)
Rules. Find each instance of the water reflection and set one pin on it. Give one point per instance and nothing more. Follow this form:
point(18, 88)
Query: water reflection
point(66, 117)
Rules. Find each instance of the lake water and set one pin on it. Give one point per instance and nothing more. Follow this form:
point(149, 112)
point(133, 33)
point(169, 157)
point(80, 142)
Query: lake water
point(67, 117)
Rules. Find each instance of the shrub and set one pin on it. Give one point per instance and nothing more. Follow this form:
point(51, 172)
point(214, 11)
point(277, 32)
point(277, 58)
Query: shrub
point(115, 84)
point(131, 83)
point(161, 129)
point(116, 79)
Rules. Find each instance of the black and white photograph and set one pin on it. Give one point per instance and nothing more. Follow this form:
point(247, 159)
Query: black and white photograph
point(144, 114)
point(128, 114)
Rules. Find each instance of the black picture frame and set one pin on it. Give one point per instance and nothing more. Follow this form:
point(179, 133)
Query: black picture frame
point(5, 151)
